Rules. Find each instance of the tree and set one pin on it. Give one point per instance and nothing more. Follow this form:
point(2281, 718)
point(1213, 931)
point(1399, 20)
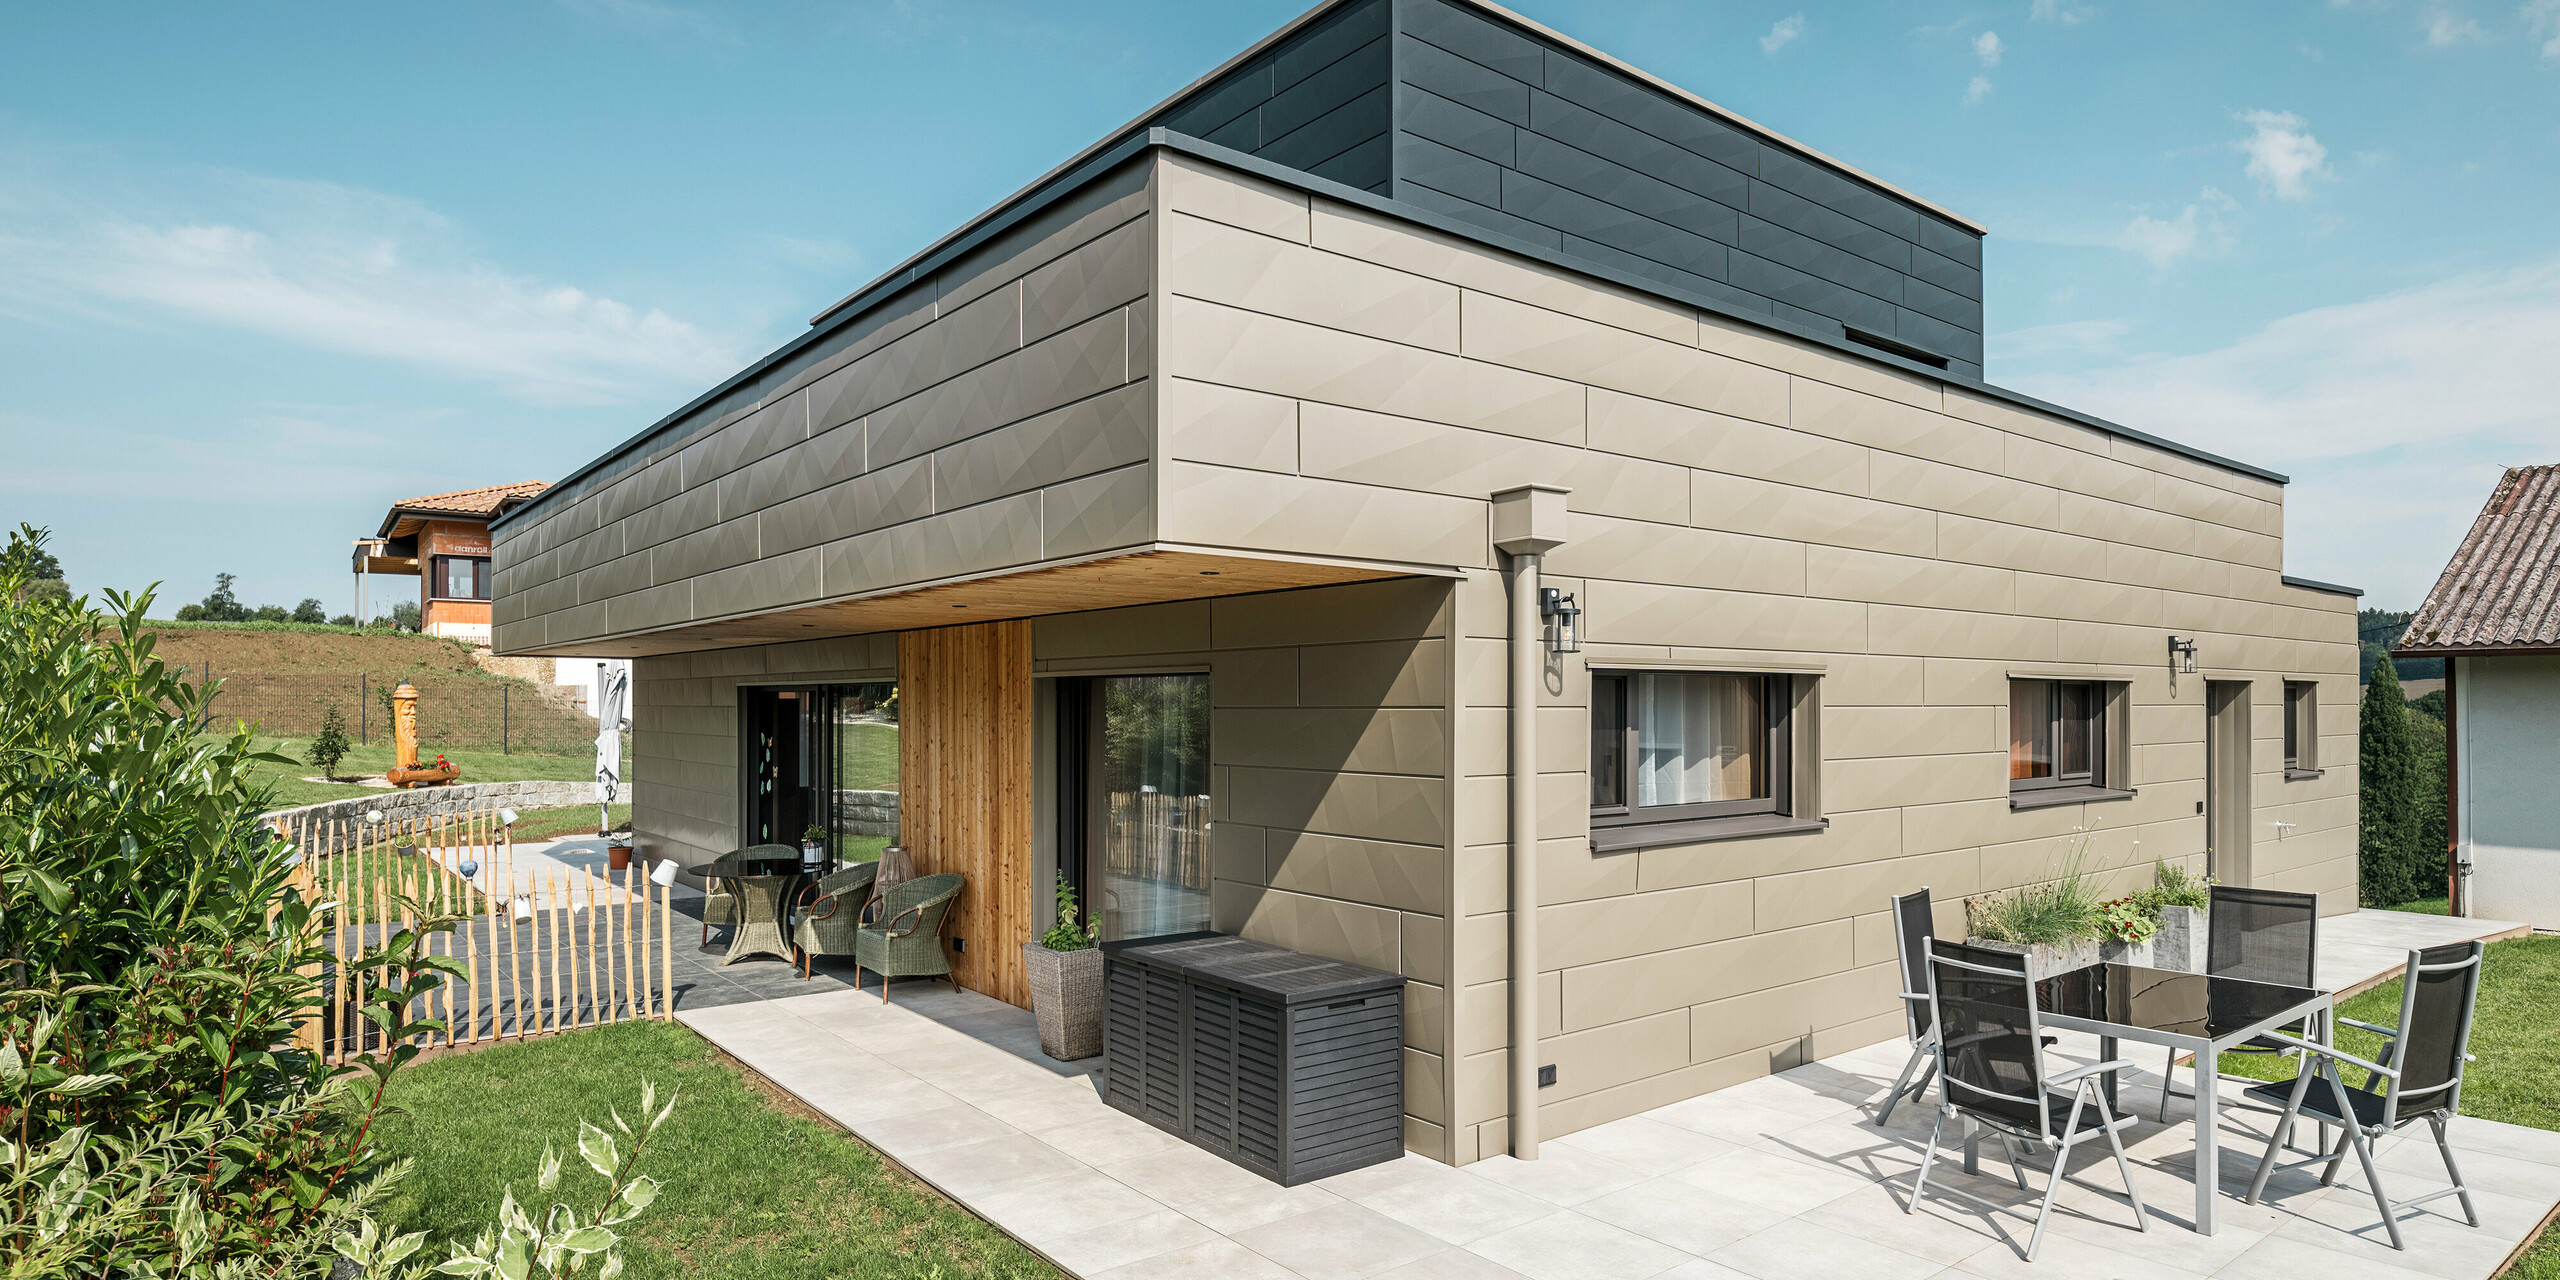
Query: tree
point(331, 745)
point(222, 605)
point(343, 620)
point(2388, 782)
point(2429, 854)
point(310, 611)
point(269, 613)
point(403, 616)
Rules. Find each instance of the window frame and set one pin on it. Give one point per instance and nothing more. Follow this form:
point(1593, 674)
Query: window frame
point(1777, 696)
point(2301, 730)
point(440, 578)
point(2095, 778)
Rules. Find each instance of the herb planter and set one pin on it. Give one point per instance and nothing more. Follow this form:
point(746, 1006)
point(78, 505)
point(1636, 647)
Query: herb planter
point(1066, 996)
point(2181, 941)
point(2045, 959)
point(2132, 953)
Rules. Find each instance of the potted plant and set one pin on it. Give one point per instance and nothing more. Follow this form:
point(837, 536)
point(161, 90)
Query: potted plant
point(813, 849)
point(2126, 928)
point(1065, 968)
point(2178, 898)
point(2055, 923)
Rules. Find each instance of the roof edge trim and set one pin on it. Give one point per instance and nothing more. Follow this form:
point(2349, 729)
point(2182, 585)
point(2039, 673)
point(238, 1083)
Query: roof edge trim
point(2314, 584)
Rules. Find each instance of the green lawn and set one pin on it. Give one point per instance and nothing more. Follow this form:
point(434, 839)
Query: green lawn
point(2425, 907)
point(2514, 1036)
point(477, 766)
point(756, 1186)
point(867, 758)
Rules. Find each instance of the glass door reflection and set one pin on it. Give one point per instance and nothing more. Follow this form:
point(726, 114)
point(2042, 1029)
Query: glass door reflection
point(1145, 828)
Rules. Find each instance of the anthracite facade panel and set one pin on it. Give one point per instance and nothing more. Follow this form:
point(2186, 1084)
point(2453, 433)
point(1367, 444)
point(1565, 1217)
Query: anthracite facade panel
point(1318, 102)
point(1497, 127)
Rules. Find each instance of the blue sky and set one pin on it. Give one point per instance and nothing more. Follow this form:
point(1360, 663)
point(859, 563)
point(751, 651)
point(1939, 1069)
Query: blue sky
point(264, 269)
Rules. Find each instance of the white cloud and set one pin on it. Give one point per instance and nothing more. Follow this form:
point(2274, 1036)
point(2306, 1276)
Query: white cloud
point(1976, 89)
point(1988, 48)
point(2066, 12)
point(2161, 242)
point(333, 268)
point(2098, 337)
point(2542, 17)
point(1784, 33)
point(2389, 412)
point(2283, 156)
point(2445, 26)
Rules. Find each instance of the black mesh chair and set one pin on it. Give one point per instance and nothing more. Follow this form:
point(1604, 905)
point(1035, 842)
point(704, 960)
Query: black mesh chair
point(1991, 1074)
point(1913, 922)
point(2420, 1078)
point(2263, 935)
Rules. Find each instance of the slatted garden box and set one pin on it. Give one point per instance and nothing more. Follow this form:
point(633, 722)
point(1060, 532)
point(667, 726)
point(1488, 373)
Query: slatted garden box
point(1288, 1064)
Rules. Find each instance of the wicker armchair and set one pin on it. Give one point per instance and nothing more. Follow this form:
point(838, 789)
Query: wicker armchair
point(906, 941)
point(719, 901)
point(832, 914)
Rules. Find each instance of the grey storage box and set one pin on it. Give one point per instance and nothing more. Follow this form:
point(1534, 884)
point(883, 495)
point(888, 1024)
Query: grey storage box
point(1290, 1065)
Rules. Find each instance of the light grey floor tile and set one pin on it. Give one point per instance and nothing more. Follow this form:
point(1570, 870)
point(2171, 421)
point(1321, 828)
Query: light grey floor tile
point(1566, 1245)
point(1769, 1178)
point(1096, 1134)
point(1683, 1214)
point(1799, 1247)
point(971, 1168)
point(2514, 1141)
point(1340, 1241)
point(1222, 1258)
point(908, 1134)
point(1735, 1120)
point(1062, 1206)
point(1447, 1203)
point(1648, 1146)
point(1101, 1248)
point(1943, 1230)
point(2279, 1256)
point(1562, 1174)
point(1452, 1264)
point(2071, 1258)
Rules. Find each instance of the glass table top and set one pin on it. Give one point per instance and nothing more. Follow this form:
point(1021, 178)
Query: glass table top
point(2172, 1003)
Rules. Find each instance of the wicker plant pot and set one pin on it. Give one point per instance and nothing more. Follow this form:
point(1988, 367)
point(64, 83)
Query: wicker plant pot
point(2181, 944)
point(1066, 995)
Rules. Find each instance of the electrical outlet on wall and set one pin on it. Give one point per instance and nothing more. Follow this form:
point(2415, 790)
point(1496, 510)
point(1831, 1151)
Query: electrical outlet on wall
point(960, 944)
point(1547, 1075)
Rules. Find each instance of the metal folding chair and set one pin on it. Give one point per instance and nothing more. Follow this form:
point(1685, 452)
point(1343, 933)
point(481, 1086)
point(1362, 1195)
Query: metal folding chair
point(1913, 922)
point(2420, 1074)
point(2263, 935)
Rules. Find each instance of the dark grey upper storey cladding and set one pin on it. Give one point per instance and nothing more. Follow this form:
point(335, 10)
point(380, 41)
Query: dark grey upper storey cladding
point(1317, 102)
point(1497, 126)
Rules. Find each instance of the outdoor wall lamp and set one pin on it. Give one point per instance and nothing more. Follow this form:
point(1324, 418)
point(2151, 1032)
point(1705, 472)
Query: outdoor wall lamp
point(1557, 607)
point(2182, 656)
point(507, 817)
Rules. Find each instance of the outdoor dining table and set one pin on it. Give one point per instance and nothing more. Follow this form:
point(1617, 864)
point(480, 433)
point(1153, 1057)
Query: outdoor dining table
point(2188, 1012)
point(775, 877)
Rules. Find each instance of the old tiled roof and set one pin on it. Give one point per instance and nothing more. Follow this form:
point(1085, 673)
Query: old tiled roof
point(2502, 590)
point(484, 502)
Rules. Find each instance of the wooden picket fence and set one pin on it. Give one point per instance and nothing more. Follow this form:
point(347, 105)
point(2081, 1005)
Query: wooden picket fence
point(543, 946)
point(1157, 835)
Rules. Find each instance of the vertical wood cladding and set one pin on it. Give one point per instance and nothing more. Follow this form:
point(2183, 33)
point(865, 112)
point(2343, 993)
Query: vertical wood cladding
point(964, 708)
point(1498, 128)
point(1317, 102)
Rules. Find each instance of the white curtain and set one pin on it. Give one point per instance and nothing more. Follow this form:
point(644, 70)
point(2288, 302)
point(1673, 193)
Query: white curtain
point(1700, 737)
point(613, 694)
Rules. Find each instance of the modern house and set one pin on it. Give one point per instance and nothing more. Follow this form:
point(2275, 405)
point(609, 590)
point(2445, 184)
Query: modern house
point(442, 540)
point(2495, 613)
point(1432, 495)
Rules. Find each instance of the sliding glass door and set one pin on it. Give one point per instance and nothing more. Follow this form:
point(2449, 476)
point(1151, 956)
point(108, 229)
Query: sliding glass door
point(1134, 801)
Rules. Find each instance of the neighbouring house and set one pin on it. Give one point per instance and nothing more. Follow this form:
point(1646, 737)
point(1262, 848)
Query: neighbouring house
point(2495, 612)
point(442, 539)
point(1188, 523)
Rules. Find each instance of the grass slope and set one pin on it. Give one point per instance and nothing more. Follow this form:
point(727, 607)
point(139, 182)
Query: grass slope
point(477, 766)
point(756, 1186)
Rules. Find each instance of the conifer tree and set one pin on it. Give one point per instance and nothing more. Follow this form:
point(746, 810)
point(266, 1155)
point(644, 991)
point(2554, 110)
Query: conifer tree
point(2388, 781)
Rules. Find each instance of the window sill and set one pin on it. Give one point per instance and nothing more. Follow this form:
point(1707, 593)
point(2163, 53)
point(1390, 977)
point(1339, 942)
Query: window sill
point(2048, 797)
point(1700, 831)
point(2302, 775)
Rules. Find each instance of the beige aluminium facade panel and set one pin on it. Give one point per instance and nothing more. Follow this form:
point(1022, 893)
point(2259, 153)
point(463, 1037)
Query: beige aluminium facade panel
point(1739, 498)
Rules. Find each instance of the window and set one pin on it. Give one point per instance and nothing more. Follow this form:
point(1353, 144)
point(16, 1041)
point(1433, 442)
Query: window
point(1689, 755)
point(2057, 740)
point(462, 578)
point(2301, 729)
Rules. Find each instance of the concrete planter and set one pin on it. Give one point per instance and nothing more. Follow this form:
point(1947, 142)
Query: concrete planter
point(2181, 942)
point(2132, 953)
point(2046, 959)
point(1066, 996)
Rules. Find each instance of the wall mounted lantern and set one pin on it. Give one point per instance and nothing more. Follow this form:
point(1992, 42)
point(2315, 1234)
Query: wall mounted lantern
point(1564, 634)
point(2182, 656)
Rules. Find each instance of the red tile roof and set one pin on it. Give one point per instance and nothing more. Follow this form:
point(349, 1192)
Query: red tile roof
point(481, 503)
point(2502, 589)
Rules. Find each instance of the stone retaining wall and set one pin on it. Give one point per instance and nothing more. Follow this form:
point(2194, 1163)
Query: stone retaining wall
point(306, 822)
point(867, 813)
